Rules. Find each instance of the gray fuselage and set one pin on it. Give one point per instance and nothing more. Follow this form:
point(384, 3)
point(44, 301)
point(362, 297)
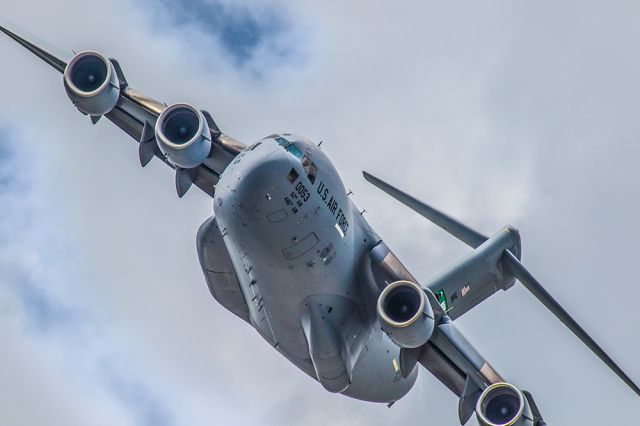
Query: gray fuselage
point(300, 250)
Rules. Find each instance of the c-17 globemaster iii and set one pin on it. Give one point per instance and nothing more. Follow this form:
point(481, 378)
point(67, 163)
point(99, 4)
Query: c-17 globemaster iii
point(288, 252)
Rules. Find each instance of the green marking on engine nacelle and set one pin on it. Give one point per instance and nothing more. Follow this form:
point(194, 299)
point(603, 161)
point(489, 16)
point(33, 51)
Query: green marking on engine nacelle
point(442, 299)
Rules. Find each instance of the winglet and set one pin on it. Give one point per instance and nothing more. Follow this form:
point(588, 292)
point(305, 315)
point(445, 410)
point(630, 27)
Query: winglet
point(456, 228)
point(50, 54)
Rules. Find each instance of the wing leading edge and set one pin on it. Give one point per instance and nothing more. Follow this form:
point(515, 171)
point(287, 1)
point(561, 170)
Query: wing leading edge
point(49, 54)
point(135, 110)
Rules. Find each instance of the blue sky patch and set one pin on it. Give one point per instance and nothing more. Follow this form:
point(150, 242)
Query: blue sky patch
point(146, 410)
point(43, 314)
point(242, 32)
point(5, 159)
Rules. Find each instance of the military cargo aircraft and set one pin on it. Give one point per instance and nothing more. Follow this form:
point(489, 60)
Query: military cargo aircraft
point(287, 251)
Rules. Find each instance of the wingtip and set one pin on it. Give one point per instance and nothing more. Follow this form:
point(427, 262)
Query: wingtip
point(7, 27)
point(51, 54)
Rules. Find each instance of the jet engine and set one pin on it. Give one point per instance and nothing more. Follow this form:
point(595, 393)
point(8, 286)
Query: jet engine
point(503, 404)
point(91, 83)
point(405, 314)
point(183, 136)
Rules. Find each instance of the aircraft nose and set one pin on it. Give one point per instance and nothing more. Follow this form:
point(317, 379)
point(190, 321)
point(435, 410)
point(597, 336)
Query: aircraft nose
point(260, 184)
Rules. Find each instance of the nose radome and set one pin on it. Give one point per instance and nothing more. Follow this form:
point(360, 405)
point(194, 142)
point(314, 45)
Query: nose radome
point(262, 184)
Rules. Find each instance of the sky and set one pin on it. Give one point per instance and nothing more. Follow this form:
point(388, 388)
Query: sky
point(521, 113)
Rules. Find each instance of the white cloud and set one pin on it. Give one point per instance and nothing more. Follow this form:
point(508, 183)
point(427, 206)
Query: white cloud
point(498, 113)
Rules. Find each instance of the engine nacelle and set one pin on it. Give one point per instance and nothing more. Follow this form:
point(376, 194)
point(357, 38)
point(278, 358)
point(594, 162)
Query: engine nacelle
point(91, 83)
point(502, 404)
point(405, 314)
point(183, 136)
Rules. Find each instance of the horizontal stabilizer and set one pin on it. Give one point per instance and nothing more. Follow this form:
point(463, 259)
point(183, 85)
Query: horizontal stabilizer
point(456, 228)
point(518, 270)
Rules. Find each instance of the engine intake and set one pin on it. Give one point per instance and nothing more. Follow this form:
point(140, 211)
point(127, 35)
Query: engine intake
point(183, 136)
point(502, 404)
point(405, 314)
point(91, 83)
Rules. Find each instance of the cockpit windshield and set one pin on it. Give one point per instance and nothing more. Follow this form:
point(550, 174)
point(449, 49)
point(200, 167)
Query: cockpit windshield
point(289, 146)
point(309, 167)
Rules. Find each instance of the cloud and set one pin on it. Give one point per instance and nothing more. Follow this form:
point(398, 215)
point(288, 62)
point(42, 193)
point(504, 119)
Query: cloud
point(44, 303)
point(496, 113)
point(145, 408)
point(255, 38)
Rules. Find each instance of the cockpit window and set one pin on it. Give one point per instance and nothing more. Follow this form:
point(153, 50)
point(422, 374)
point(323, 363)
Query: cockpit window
point(289, 146)
point(311, 174)
point(306, 163)
point(282, 141)
point(295, 151)
point(293, 175)
point(309, 168)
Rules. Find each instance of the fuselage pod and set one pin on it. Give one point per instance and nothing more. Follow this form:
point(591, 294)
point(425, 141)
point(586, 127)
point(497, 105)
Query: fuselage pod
point(405, 314)
point(91, 83)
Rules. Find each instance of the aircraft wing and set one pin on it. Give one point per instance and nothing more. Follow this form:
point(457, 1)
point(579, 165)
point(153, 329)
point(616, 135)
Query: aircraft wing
point(136, 114)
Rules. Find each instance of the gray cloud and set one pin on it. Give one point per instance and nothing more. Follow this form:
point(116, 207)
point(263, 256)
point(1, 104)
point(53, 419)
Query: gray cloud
point(241, 30)
point(499, 113)
point(42, 301)
point(256, 39)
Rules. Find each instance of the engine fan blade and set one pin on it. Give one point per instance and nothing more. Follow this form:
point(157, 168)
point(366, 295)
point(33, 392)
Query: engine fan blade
point(518, 270)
